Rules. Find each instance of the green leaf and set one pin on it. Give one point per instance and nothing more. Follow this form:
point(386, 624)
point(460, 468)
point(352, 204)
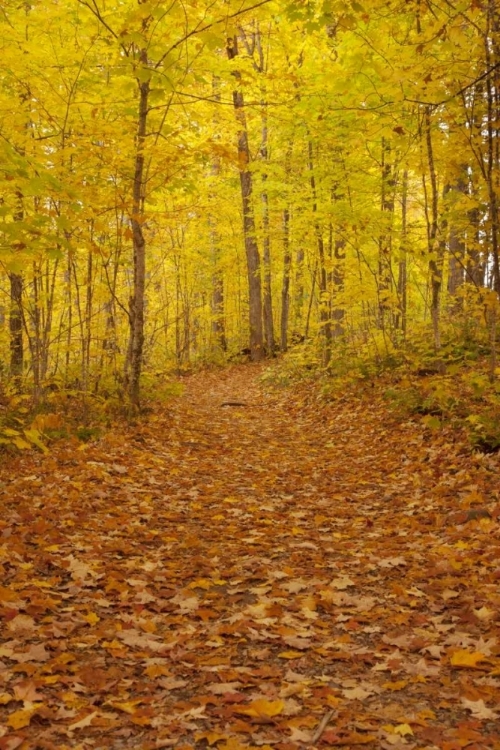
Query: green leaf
point(432, 422)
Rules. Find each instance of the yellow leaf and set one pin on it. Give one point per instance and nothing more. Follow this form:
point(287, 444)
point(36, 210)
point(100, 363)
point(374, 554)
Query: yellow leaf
point(332, 700)
point(157, 670)
point(403, 729)
point(128, 707)
point(399, 685)
point(91, 618)
point(484, 613)
point(463, 658)
point(262, 708)
point(201, 583)
point(20, 719)
point(20, 443)
point(290, 655)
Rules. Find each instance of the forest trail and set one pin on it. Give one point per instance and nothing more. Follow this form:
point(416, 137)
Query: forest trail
point(284, 574)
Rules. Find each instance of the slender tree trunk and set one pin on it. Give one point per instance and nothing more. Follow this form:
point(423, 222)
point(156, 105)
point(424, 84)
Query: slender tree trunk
point(266, 257)
point(285, 288)
point(217, 301)
point(16, 315)
point(136, 303)
point(16, 329)
point(298, 285)
point(266, 247)
point(435, 247)
point(324, 299)
point(493, 133)
point(385, 240)
point(456, 252)
point(401, 316)
point(251, 249)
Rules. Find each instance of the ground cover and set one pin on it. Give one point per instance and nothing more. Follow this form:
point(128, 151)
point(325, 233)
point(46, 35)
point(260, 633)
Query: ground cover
point(251, 566)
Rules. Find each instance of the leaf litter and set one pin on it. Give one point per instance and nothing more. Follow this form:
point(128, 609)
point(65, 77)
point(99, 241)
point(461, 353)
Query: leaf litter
point(285, 574)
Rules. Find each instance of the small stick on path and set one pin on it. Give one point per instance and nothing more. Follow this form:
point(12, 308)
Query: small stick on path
point(233, 403)
point(322, 726)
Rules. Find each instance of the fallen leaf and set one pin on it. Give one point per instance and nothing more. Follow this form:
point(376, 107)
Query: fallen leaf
point(262, 708)
point(85, 722)
point(463, 658)
point(479, 710)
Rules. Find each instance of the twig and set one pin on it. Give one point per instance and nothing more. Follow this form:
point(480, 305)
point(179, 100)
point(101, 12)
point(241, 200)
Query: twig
point(233, 403)
point(322, 726)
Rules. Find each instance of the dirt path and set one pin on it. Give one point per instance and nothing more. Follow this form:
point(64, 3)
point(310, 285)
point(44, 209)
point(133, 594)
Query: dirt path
point(251, 568)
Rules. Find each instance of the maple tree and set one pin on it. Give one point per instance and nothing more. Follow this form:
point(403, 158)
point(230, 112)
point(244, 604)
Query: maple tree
point(363, 147)
point(244, 564)
point(241, 570)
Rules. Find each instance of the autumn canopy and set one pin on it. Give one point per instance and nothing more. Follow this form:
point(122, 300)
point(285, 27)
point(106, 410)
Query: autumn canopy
point(183, 180)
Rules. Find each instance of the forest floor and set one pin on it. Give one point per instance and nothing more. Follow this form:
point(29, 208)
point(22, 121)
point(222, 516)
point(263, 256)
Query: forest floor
point(277, 573)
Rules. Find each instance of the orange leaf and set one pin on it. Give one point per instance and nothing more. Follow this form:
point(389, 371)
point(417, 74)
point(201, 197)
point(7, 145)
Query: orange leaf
point(290, 655)
point(262, 708)
point(463, 658)
point(85, 722)
point(20, 719)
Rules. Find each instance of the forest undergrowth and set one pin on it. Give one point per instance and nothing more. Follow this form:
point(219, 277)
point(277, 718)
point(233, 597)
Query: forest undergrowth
point(253, 565)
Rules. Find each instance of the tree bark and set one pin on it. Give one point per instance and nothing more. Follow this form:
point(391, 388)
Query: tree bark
point(257, 351)
point(136, 302)
point(16, 329)
point(435, 248)
point(385, 239)
point(456, 245)
point(285, 288)
point(401, 315)
point(324, 296)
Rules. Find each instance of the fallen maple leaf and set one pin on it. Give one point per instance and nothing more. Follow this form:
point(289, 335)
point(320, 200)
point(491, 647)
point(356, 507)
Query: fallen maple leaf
point(22, 718)
point(26, 691)
point(91, 618)
point(262, 708)
point(479, 710)
point(22, 624)
point(356, 694)
point(301, 735)
point(224, 687)
point(400, 685)
point(403, 729)
point(85, 722)
point(484, 613)
point(289, 655)
point(296, 642)
point(463, 658)
point(128, 707)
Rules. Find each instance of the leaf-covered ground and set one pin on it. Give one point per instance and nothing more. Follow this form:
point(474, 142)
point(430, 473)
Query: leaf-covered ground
point(280, 574)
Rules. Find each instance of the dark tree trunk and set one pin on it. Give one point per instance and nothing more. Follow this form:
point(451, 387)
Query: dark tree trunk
point(251, 249)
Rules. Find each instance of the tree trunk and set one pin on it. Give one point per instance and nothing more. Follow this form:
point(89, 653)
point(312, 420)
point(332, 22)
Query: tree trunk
point(492, 128)
point(251, 249)
point(285, 288)
point(136, 302)
point(401, 315)
point(217, 302)
point(16, 314)
point(16, 329)
point(324, 296)
point(385, 239)
point(456, 245)
point(435, 247)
